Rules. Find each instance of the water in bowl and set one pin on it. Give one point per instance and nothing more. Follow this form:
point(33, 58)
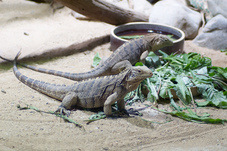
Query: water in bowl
point(135, 33)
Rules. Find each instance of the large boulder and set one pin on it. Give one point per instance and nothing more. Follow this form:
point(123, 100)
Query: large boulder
point(217, 7)
point(214, 34)
point(210, 8)
point(142, 6)
point(174, 13)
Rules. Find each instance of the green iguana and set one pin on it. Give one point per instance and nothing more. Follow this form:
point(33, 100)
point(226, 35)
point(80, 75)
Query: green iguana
point(133, 51)
point(90, 93)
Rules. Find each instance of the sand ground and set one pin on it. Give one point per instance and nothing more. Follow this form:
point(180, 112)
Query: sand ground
point(30, 130)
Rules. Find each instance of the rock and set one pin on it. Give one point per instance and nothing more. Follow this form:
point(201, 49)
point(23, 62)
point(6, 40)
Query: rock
point(79, 16)
point(174, 13)
point(217, 7)
point(139, 6)
point(214, 34)
point(120, 3)
point(3, 91)
point(210, 8)
point(142, 6)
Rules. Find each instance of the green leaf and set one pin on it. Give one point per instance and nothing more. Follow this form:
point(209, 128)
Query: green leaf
point(223, 50)
point(131, 37)
point(152, 60)
point(164, 55)
point(218, 72)
point(139, 64)
point(202, 70)
point(152, 91)
point(96, 60)
point(181, 72)
point(193, 117)
point(172, 37)
point(182, 91)
point(181, 88)
point(214, 97)
point(163, 93)
point(95, 117)
point(172, 100)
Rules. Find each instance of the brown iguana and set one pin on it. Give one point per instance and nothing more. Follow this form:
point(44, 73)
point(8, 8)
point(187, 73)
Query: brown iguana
point(91, 93)
point(133, 51)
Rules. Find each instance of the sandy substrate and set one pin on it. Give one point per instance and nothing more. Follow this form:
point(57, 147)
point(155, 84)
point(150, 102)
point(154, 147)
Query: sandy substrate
point(30, 130)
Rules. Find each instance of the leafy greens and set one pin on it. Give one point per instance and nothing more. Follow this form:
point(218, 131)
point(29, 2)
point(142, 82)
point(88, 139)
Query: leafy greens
point(183, 76)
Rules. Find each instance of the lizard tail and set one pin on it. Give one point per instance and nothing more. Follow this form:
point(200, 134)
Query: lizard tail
point(6, 59)
point(15, 59)
point(40, 86)
point(98, 71)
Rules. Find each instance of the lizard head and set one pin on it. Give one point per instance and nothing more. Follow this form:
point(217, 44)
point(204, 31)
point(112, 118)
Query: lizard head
point(157, 41)
point(136, 75)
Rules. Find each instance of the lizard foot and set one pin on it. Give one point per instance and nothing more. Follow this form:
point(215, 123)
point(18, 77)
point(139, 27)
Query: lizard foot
point(121, 113)
point(63, 111)
point(124, 112)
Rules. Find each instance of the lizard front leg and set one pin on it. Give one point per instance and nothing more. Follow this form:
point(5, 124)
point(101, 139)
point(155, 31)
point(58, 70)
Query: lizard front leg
point(109, 101)
point(120, 66)
point(143, 56)
point(121, 106)
point(68, 101)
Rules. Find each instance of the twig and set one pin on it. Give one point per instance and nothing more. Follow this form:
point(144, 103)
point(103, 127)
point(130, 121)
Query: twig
point(50, 112)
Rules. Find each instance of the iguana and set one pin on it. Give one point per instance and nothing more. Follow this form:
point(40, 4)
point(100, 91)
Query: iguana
point(90, 93)
point(132, 51)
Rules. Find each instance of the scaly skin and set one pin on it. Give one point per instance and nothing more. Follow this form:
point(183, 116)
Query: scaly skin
point(91, 93)
point(133, 51)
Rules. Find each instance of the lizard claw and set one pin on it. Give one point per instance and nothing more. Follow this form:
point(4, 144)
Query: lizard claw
point(124, 112)
point(134, 112)
point(121, 113)
point(63, 111)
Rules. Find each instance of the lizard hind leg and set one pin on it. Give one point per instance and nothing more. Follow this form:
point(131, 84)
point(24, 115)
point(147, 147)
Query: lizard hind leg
point(68, 101)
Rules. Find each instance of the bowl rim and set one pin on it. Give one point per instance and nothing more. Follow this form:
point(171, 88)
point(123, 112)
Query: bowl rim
point(175, 41)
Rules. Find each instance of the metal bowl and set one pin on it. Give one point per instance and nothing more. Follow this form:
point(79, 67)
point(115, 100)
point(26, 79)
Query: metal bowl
point(178, 44)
